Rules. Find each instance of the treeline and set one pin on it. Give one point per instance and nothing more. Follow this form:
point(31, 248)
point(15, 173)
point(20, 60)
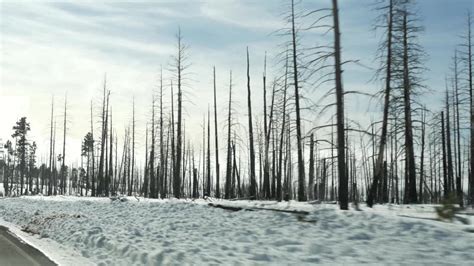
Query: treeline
point(413, 155)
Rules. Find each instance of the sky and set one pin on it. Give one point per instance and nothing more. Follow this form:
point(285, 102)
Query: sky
point(50, 49)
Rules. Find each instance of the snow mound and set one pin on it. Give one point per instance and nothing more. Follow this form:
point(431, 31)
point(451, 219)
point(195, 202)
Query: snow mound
point(173, 232)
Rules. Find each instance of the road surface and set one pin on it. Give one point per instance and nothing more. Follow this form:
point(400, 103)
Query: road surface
point(14, 252)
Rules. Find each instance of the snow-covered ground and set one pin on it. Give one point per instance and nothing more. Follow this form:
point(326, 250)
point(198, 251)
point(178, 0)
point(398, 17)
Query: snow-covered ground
point(155, 232)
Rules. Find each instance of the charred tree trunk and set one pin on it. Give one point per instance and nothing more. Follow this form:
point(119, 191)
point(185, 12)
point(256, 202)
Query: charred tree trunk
point(179, 138)
point(51, 156)
point(208, 155)
point(63, 166)
point(311, 169)
point(109, 186)
point(301, 176)
point(341, 151)
point(103, 140)
point(162, 176)
point(459, 193)
point(383, 137)
point(448, 148)
point(144, 190)
point(471, 107)
point(93, 158)
point(445, 167)
point(228, 192)
point(422, 157)
point(411, 197)
point(218, 189)
point(282, 135)
point(130, 189)
point(153, 192)
point(253, 184)
point(266, 128)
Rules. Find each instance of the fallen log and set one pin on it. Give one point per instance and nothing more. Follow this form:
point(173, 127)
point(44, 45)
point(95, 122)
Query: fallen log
point(235, 208)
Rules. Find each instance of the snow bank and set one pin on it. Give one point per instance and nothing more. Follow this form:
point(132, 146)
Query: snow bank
point(156, 232)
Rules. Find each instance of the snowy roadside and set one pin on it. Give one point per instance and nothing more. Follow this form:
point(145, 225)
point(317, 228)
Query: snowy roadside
point(153, 232)
point(60, 254)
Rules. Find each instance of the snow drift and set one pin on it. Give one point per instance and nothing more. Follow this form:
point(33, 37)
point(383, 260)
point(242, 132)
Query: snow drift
point(156, 232)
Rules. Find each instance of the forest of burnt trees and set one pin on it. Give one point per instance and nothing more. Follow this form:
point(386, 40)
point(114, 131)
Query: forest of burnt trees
point(414, 154)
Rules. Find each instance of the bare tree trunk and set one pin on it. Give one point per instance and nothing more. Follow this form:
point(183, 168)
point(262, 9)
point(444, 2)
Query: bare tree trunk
point(311, 169)
point(383, 137)
point(176, 176)
point(153, 192)
point(144, 190)
point(282, 134)
point(130, 189)
point(236, 172)
point(410, 156)
point(445, 168)
point(471, 107)
point(173, 146)
point(422, 157)
point(55, 177)
point(228, 192)
point(218, 189)
point(266, 128)
point(448, 148)
point(63, 167)
point(111, 164)
point(301, 176)
point(162, 177)
point(208, 156)
point(341, 150)
point(93, 158)
point(253, 184)
point(103, 139)
point(51, 156)
point(458, 131)
point(322, 186)
point(204, 189)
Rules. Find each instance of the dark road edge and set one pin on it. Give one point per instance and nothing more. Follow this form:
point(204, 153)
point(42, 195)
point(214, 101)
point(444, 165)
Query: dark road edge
point(37, 255)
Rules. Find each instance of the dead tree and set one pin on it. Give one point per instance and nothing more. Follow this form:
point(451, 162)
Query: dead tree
point(282, 133)
point(162, 176)
point(218, 191)
point(152, 189)
point(456, 92)
point(445, 167)
point(422, 156)
point(130, 189)
point(311, 169)
point(109, 185)
point(408, 49)
point(468, 60)
point(341, 150)
point(93, 158)
point(253, 184)
point(105, 106)
point(271, 191)
point(180, 65)
point(228, 192)
point(208, 155)
point(63, 166)
point(388, 77)
point(266, 130)
point(51, 155)
point(301, 176)
point(144, 189)
point(450, 183)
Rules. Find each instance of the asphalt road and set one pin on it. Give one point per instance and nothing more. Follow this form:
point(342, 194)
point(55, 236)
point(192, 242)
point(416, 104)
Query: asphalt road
point(14, 252)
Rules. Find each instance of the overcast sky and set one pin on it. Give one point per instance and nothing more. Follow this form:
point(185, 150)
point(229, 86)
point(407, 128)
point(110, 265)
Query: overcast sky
point(53, 48)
